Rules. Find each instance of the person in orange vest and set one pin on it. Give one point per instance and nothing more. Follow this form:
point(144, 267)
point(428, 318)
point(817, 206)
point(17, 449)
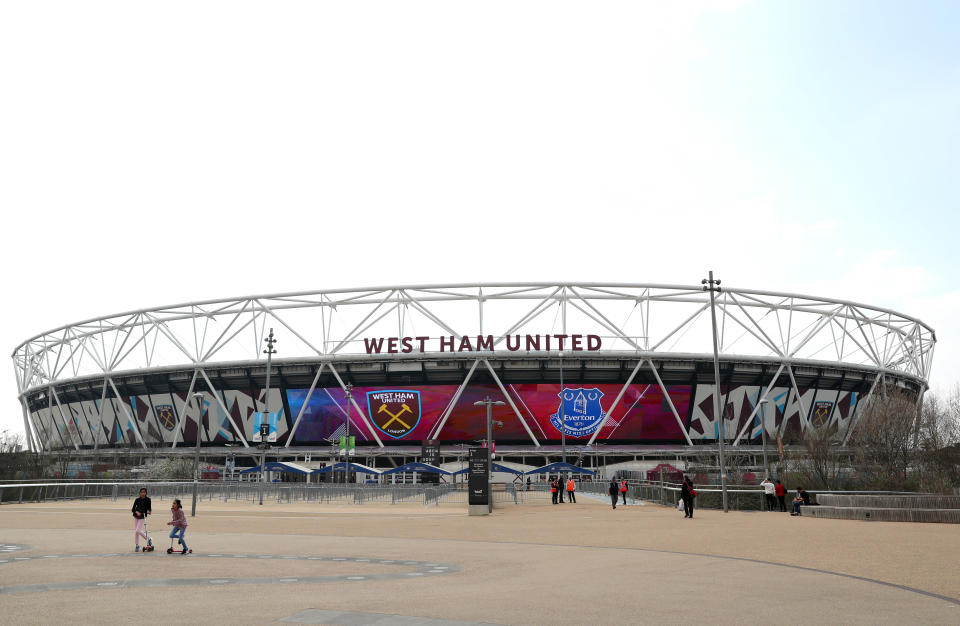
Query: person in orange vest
point(553, 490)
point(623, 490)
point(570, 487)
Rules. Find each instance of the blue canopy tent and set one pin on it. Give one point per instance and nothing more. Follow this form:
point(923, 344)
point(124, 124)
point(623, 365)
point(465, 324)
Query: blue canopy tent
point(282, 466)
point(561, 467)
point(416, 466)
point(494, 467)
point(353, 467)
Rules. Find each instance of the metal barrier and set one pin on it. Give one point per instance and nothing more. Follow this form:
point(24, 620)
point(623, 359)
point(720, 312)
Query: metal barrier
point(320, 493)
point(740, 497)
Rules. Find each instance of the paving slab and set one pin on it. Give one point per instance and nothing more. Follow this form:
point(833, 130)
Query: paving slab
point(575, 564)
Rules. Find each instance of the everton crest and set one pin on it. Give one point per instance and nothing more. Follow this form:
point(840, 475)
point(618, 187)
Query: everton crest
point(395, 412)
point(166, 416)
point(581, 411)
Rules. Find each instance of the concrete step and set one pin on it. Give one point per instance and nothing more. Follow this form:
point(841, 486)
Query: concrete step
point(890, 501)
point(877, 514)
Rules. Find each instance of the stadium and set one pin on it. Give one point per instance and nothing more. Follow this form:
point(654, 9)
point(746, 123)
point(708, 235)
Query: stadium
point(600, 368)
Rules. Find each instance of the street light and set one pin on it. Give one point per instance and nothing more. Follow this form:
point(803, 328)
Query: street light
point(489, 404)
point(348, 388)
point(713, 286)
point(763, 436)
point(266, 411)
point(563, 416)
point(198, 399)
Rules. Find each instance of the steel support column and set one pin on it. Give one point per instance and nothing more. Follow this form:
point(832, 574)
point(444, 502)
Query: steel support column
point(182, 414)
point(306, 401)
point(513, 406)
point(753, 413)
point(453, 401)
point(609, 412)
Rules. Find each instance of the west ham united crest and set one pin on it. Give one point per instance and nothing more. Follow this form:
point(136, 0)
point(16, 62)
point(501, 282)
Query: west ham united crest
point(581, 411)
point(166, 416)
point(395, 412)
point(821, 412)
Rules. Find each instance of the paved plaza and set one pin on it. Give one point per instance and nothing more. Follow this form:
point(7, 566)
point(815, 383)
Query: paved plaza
point(578, 563)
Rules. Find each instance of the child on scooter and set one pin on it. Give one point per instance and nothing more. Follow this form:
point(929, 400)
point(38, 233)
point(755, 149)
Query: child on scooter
point(141, 509)
point(179, 524)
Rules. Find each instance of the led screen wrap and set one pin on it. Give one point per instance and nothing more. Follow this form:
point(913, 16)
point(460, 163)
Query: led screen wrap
point(411, 414)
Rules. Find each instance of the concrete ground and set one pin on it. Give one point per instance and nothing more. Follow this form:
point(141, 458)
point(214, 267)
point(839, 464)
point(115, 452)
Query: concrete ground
point(578, 563)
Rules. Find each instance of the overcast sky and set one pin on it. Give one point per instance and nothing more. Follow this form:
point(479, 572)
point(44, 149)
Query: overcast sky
point(154, 153)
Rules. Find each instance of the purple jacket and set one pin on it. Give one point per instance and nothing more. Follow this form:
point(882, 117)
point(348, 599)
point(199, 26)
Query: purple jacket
point(179, 519)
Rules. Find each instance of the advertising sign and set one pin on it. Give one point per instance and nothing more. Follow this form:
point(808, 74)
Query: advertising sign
point(414, 413)
point(395, 412)
point(581, 411)
point(478, 476)
point(259, 423)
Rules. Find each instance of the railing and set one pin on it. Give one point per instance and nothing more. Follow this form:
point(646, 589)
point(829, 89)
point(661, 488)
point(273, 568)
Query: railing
point(321, 493)
point(740, 497)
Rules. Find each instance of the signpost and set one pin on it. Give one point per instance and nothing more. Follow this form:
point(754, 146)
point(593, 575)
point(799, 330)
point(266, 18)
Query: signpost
point(430, 453)
point(348, 446)
point(478, 481)
point(264, 431)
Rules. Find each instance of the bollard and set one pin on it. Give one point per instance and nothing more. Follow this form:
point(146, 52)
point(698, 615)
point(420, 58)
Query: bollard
point(662, 499)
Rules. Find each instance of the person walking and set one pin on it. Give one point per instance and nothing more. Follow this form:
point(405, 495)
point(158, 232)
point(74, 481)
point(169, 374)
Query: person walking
point(141, 509)
point(613, 490)
point(769, 489)
point(570, 488)
point(687, 494)
point(553, 490)
point(623, 490)
point(781, 493)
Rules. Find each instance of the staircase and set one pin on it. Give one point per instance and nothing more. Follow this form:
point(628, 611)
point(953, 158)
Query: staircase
point(887, 508)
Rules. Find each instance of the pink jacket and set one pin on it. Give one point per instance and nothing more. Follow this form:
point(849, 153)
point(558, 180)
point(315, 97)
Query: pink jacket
point(179, 519)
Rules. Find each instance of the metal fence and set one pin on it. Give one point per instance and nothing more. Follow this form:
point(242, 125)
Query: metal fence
point(740, 497)
point(321, 493)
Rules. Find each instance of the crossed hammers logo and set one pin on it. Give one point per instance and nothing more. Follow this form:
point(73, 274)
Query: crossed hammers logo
point(395, 417)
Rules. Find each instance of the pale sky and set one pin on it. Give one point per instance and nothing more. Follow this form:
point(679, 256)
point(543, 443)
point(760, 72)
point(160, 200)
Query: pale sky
point(157, 153)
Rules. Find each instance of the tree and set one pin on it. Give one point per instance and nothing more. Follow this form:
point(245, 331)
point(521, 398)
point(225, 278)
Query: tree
point(938, 441)
point(10, 442)
point(884, 441)
point(175, 468)
point(15, 462)
point(824, 463)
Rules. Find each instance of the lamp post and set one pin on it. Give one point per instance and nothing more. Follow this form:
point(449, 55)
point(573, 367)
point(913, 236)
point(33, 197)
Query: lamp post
point(713, 286)
point(266, 411)
point(489, 404)
point(563, 417)
point(197, 398)
point(348, 388)
point(763, 437)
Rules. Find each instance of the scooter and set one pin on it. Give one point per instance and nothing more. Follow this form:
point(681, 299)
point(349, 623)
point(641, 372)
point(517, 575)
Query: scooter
point(149, 546)
point(170, 550)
